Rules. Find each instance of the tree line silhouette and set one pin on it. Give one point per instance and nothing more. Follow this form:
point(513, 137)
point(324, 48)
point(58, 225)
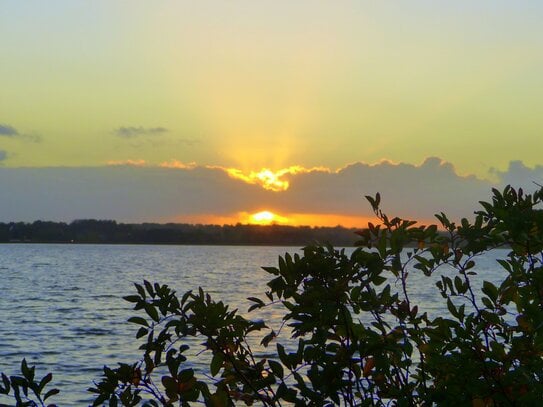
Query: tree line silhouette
point(109, 231)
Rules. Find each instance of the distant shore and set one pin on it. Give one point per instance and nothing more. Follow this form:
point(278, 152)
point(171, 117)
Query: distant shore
point(111, 232)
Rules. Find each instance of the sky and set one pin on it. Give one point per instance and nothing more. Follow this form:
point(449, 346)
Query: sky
point(213, 111)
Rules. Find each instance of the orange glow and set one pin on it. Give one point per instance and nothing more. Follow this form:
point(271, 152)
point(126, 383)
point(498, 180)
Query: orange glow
point(289, 219)
point(266, 218)
point(262, 217)
point(330, 220)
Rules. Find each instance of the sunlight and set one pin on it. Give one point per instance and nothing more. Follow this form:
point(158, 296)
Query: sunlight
point(266, 218)
point(266, 178)
point(271, 180)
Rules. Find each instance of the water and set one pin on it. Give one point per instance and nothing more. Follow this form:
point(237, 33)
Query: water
point(61, 306)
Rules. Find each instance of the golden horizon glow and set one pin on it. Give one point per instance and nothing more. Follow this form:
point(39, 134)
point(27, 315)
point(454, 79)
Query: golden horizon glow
point(266, 218)
point(286, 219)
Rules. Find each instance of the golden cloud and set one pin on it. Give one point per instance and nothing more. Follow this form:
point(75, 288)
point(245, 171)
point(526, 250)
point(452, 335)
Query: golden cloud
point(178, 164)
point(133, 163)
point(271, 180)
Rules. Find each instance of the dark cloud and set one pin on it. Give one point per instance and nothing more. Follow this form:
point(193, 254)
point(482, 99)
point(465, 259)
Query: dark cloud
point(409, 191)
point(124, 193)
point(520, 175)
point(137, 194)
point(131, 132)
point(8, 131)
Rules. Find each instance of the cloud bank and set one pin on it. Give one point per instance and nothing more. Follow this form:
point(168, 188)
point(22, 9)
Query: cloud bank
point(139, 193)
point(520, 175)
point(11, 132)
point(8, 131)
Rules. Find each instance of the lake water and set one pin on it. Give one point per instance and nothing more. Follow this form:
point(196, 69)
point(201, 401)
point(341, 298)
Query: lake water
point(61, 306)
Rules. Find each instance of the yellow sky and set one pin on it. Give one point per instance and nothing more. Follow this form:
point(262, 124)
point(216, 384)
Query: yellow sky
point(251, 85)
point(265, 84)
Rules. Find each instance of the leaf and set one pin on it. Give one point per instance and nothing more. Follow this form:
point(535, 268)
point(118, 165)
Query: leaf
point(132, 298)
point(149, 288)
point(378, 280)
point(452, 308)
point(268, 338)
point(287, 393)
point(258, 303)
point(185, 375)
point(170, 385)
point(141, 332)
point(27, 372)
point(50, 393)
point(7, 386)
point(283, 355)
point(458, 284)
point(140, 290)
point(219, 399)
point(491, 290)
point(152, 312)
point(216, 364)
point(99, 400)
point(487, 303)
point(257, 300)
point(46, 379)
point(271, 270)
point(276, 368)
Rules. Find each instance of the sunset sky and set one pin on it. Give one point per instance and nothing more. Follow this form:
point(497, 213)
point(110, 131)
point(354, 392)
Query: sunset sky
point(213, 111)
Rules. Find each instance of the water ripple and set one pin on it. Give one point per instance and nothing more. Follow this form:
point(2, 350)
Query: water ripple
point(62, 306)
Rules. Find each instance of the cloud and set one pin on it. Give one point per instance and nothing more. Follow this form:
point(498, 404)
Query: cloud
point(131, 132)
point(9, 131)
point(407, 190)
point(178, 164)
point(132, 163)
point(3, 155)
point(129, 192)
point(135, 191)
point(520, 175)
point(271, 180)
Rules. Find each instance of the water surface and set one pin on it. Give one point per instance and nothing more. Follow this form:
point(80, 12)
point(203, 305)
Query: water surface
point(61, 306)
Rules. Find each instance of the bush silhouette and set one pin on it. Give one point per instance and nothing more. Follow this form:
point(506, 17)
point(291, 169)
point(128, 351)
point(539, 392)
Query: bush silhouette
point(354, 334)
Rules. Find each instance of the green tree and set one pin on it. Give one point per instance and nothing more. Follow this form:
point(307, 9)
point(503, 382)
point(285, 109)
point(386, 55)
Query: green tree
point(354, 334)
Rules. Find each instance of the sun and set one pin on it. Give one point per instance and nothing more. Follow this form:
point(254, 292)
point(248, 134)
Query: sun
point(266, 218)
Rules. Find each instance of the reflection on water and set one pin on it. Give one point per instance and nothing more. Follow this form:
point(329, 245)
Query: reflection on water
point(61, 306)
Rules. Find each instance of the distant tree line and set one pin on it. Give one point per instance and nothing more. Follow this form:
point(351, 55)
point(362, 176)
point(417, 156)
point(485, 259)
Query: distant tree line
point(109, 231)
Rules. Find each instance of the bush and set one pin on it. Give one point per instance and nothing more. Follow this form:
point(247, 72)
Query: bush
point(357, 338)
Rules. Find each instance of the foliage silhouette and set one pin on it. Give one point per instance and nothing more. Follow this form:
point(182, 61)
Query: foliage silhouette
point(357, 336)
point(25, 389)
